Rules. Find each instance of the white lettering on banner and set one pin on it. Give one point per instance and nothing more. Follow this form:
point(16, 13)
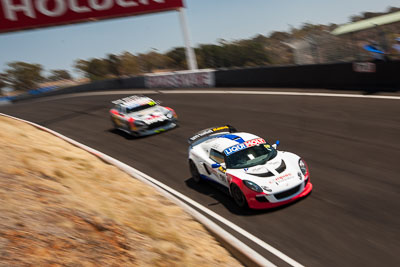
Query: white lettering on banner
point(10, 9)
point(59, 9)
point(106, 4)
point(30, 7)
point(127, 3)
point(146, 2)
point(74, 6)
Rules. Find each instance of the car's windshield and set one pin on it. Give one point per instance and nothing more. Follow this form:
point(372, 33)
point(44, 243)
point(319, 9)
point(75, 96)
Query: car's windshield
point(141, 107)
point(250, 157)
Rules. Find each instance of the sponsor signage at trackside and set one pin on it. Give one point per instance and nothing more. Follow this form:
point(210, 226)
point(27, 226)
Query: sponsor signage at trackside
point(182, 79)
point(364, 67)
point(24, 14)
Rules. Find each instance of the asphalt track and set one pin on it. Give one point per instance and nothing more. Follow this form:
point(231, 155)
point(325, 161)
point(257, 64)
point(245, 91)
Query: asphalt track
point(352, 147)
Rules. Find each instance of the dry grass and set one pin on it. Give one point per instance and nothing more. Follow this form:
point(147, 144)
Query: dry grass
point(76, 180)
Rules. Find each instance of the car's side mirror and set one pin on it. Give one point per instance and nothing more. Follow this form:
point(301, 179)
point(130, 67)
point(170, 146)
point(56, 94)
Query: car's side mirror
point(215, 165)
point(276, 144)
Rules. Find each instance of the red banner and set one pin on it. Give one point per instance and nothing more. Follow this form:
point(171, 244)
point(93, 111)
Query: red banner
point(25, 14)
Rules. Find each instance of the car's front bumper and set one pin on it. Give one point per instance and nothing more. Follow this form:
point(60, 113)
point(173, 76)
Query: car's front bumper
point(257, 204)
point(146, 131)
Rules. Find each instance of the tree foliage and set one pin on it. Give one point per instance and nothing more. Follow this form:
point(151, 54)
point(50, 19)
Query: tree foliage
point(2, 80)
point(57, 75)
point(23, 76)
point(129, 64)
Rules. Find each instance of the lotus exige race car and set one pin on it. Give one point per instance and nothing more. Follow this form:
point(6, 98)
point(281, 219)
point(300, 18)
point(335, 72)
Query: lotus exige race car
point(256, 174)
point(140, 116)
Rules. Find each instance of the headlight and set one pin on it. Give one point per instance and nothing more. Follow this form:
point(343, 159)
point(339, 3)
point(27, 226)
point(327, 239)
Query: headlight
point(139, 123)
point(303, 167)
point(169, 115)
point(252, 186)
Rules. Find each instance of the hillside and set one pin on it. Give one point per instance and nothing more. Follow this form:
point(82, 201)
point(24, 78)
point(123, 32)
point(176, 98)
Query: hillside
point(61, 206)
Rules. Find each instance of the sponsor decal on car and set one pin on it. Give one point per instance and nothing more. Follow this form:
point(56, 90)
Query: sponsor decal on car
point(283, 178)
point(244, 145)
point(222, 169)
point(220, 128)
point(209, 131)
point(155, 118)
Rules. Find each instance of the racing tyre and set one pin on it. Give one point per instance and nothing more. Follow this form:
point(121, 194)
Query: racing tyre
point(238, 196)
point(114, 124)
point(134, 134)
point(195, 173)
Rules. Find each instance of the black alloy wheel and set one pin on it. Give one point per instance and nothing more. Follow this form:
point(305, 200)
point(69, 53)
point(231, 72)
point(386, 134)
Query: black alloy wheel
point(195, 173)
point(238, 196)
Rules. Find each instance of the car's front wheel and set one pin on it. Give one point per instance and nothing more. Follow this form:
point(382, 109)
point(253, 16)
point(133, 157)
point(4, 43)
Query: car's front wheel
point(114, 123)
point(238, 196)
point(195, 173)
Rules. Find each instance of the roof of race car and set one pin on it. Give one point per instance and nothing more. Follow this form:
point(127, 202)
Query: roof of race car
point(222, 141)
point(134, 101)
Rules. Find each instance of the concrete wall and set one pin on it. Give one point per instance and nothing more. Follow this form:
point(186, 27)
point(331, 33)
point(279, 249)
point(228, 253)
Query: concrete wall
point(385, 75)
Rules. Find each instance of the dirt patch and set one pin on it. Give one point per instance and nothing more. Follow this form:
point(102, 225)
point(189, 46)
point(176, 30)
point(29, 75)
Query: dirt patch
point(60, 205)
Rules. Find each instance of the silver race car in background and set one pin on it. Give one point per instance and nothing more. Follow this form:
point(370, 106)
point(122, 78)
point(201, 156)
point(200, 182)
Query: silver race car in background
point(141, 115)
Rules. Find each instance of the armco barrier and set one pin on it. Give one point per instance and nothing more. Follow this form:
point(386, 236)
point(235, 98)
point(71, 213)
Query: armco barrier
point(333, 76)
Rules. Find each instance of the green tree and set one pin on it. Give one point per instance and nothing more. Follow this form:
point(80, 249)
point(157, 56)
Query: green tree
point(129, 64)
point(114, 65)
point(153, 61)
point(2, 80)
point(24, 76)
point(57, 75)
point(82, 66)
point(98, 69)
point(177, 58)
point(94, 69)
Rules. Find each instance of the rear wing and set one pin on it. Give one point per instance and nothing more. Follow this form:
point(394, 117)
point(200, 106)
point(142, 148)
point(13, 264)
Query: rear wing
point(209, 131)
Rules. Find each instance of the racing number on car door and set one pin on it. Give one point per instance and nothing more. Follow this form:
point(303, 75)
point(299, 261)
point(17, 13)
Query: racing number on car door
point(218, 173)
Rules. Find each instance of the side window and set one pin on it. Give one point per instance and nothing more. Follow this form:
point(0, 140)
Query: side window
point(122, 109)
point(216, 156)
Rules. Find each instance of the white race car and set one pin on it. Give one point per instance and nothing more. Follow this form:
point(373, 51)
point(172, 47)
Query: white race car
point(256, 174)
point(140, 116)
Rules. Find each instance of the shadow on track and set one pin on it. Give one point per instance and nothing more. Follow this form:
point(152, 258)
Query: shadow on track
point(71, 115)
point(222, 197)
point(131, 137)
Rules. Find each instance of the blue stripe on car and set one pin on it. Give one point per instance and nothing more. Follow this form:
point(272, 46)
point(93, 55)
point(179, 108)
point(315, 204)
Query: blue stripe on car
point(233, 138)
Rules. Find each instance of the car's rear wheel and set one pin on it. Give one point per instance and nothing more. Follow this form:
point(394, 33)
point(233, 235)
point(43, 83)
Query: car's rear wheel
point(238, 196)
point(195, 173)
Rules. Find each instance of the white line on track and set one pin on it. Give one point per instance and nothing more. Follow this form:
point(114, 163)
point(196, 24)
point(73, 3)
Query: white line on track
point(196, 91)
point(278, 93)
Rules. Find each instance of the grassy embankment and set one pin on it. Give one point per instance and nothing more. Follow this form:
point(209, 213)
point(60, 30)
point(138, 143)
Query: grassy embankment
point(60, 205)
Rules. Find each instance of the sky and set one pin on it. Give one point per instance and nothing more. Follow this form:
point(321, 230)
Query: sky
point(208, 21)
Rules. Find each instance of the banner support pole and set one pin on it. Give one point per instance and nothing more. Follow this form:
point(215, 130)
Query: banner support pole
point(190, 56)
